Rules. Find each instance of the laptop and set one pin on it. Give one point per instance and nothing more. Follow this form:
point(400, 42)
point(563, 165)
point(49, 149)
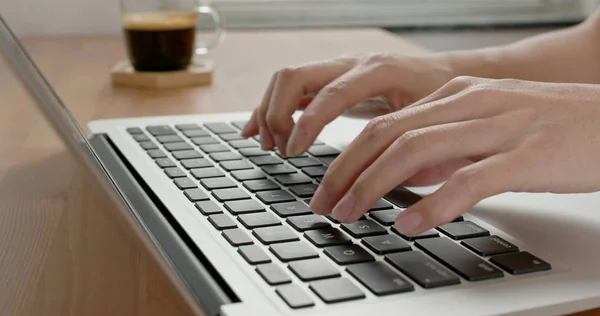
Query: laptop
point(230, 224)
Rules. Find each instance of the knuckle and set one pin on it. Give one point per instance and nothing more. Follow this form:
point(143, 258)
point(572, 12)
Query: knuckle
point(376, 126)
point(334, 88)
point(462, 81)
point(287, 73)
point(411, 141)
point(376, 58)
point(276, 123)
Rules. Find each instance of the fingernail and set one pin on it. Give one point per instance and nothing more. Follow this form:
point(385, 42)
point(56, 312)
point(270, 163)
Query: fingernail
point(263, 138)
point(408, 222)
point(344, 208)
point(295, 143)
point(280, 141)
point(319, 201)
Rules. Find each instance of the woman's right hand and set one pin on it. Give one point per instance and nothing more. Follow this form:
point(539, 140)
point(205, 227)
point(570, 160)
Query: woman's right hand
point(327, 89)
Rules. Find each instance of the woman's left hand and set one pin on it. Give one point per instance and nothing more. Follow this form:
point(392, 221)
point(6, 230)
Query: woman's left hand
point(509, 135)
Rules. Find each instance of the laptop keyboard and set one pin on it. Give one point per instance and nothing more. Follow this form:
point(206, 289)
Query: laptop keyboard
point(245, 192)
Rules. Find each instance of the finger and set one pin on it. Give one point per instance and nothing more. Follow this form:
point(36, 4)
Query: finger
point(251, 127)
point(266, 140)
point(437, 174)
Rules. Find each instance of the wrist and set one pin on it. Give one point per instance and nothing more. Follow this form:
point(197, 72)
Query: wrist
point(476, 63)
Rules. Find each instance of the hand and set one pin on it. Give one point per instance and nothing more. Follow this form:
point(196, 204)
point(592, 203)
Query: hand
point(328, 89)
point(512, 135)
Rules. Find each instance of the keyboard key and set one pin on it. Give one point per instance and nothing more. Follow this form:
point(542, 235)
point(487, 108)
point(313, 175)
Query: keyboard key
point(327, 160)
point(253, 152)
point(217, 183)
point(213, 148)
point(147, 145)
point(220, 128)
point(313, 269)
point(323, 150)
point(185, 183)
point(208, 207)
point(275, 234)
point(203, 173)
point(458, 259)
point(462, 230)
point(294, 178)
point(328, 236)
point(141, 138)
point(459, 219)
point(260, 185)
point(402, 197)
point(225, 156)
point(273, 274)
point(178, 146)
point(195, 195)
point(520, 263)
point(255, 220)
point(165, 162)
point(157, 130)
point(348, 254)
point(223, 195)
point(319, 179)
point(318, 171)
point(386, 244)
point(489, 245)
point(237, 237)
point(243, 206)
point(196, 163)
point(294, 296)
point(385, 217)
point(381, 205)
point(298, 156)
point(307, 222)
point(266, 160)
point(221, 221)
point(204, 140)
point(134, 130)
point(297, 250)
point(426, 234)
point(379, 278)
point(363, 228)
point(304, 162)
point(169, 139)
point(186, 154)
point(235, 165)
point(239, 124)
point(290, 209)
point(243, 175)
point(274, 170)
point(195, 133)
point(185, 127)
point(242, 143)
point(421, 269)
point(174, 172)
point(230, 136)
point(156, 153)
point(269, 197)
point(304, 190)
point(336, 290)
point(254, 254)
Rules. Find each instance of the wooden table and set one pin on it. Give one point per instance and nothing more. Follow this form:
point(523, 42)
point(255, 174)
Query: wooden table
point(63, 248)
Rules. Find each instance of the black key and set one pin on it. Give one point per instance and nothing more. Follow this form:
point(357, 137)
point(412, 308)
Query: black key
point(187, 154)
point(489, 245)
point(217, 183)
point(421, 269)
point(174, 172)
point(255, 220)
point(213, 148)
point(273, 170)
point(328, 236)
point(185, 127)
point(225, 156)
point(253, 152)
point(318, 171)
point(208, 207)
point(253, 254)
point(165, 162)
point(281, 156)
point(307, 222)
point(297, 250)
point(242, 143)
point(380, 205)
point(459, 219)
point(275, 234)
point(243, 206)
point(260, 185)
point(348, 254)
point(185, 183)
point(331, 218)
point(158, 130)
point(294, 178)
point(304, 190)
point(363, 228)
point(327, 160)
point(323, 150)
point(134, 130)
point(402, 197)
point(204, 173)
point(385, 217)
point(294, 296)
point(239, 124)
point(426, 234)
point(195, 195)
point(221, 221)
point(379, 278)
point(520, 263)
point(386, 244)
point(236, 165)
point(141, 137)
point(273, 274)
point(269, 197)
point(178, 146)
point(313, 269)
point(319, 179)
point(290, 209)
point(220, 128)
point(459, 259)
point(266, 160)
point(156, 153)
point(243, 175)
point(223, 195)
point(231, 136)
point(169, 139)
point(336, 290)
point(304, 162)
point(195, 133)
point(196, 163)
point(462, 230)
point(147, 145)
point(237, 237)
point(204, 140)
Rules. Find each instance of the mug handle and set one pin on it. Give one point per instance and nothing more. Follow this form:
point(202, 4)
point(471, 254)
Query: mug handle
point(219, 28)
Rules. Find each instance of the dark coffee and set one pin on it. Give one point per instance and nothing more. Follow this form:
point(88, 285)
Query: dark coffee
point(161, 41)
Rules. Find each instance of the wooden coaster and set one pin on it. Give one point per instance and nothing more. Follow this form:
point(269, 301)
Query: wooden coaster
point(197, 74)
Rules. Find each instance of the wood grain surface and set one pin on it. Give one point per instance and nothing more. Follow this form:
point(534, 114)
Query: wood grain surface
point(64, 250)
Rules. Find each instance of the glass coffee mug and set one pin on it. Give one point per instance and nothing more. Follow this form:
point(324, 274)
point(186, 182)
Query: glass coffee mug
point(161, 35)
